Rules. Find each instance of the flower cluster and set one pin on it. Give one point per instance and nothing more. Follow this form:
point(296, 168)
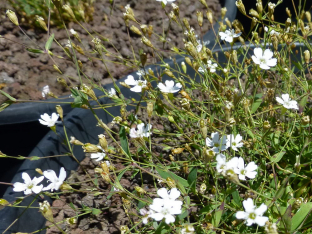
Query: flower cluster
point(220, 143)
point(31, 185)
point(141, 132)
point(138, 85)
point(165, 207)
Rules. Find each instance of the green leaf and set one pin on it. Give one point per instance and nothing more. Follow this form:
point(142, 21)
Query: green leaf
point(49, 42)
point(217, 215)
point(124, 140)
point(96, 211)
point(191, 179)
point(36, 51)
point(277, 157)
point(255, 105)
point(280, 192)
point(162, 228)
point(236, 198)
point(301, 214)
point(8, 96)
point(287, 218)
point(303, 101)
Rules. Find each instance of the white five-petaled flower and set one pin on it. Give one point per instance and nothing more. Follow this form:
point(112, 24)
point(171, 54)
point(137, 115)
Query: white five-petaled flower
point(166, 206)
point(165, 1)
point(111, 92)
point(264, 59)
point(223, 166)
point(45, 91)
point(55, 182)
point(229, 35)
point(169, 87)
point(287, 102)
point(99, 155)
point(234, 142)
point(143, 131)
point(211, 66)
point(217, 143)
point(252, 214)
point(72, 31)
point(146, 214)
point(138, 85)
point(29, 186)
point(48, 120)
point(248, 171)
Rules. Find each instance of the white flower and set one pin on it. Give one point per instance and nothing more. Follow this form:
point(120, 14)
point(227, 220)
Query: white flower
point(229, 35)
point(69, 45)
point(141, 132)
point(169, 87)
point(264, 59)
point(111, 92)
point(234, 142)
point(55, 181)
point(72, 31)
point(188, 229)
point(266, 29)
point(248, 171)
point(165, 1)
point(50, 121)
point(45, 90)
point(223, 166)
point(287, 102)
point(138, 84)
point(99, 155)
point(166, 206)
point(252, 214)
point(29, 186)
point(273, 32)
point(217, 143)
point(211, 66)
point(146, 215)
point(141, 72)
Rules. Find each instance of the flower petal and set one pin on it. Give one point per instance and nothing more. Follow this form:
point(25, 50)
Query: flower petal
point(261, 209)
point(174, 193)
point(62, 175)
point(163, 193)
point(258, 52)
point(130, 80)
point(241, 215)
point(261, 220)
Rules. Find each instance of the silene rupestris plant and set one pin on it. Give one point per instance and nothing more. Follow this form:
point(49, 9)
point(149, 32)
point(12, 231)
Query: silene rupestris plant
point(228, 149)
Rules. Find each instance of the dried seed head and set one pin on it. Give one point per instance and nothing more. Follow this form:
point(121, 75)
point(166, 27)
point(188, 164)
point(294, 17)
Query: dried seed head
point(266, 125)
point(305, 120)
point(12, 16)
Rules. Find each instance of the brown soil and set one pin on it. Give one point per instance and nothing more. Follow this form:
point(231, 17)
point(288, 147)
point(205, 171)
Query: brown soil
point(23, 74)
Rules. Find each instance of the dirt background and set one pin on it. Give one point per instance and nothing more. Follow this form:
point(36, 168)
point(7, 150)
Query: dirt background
point(23, 74)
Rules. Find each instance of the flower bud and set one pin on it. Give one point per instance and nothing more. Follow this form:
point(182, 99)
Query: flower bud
point(87, 90)
point(57, 69)
point(253, 13)
point(59, 110)
point(234, 57)
point(204, 3)
point(275, 41)
point(139, 190)
point(191, 49)
point(202, 188)
point(307, 56)
point(188, 61)
point(103, 142)
point(228, 23)
point(65, 186)
point(308, 16)
point(135, 30)
point(46, 211)
point(254, 22)
point(124, 85)
point(171, 183)
point(176, 9)
point(150, 109)
point(147, 42)
point(41, 22)
point(266, 125)
point(259, 6)
point(305, 120)
point(200, 18)
point(209, 16)
point(240, 6)
point(38, 170)
point(90, 148)
point(177, 150)
point(183, 66)
point(223, 12)
point(12, 16)
point(186, 24)
point(74, 141)
point(69, 11)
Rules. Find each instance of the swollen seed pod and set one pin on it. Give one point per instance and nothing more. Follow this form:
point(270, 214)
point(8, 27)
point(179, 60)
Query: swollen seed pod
point(41, 22)
point(90, 148)
point(12, 16)
point(59, 110)
point(69, 11)
point(240, 6)
point(307, 56)
point(103, 142)
point(200, 18)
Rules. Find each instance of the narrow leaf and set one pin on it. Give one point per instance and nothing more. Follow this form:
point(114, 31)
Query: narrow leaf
point(49, 42)
point(277, 157)
point(301, 214)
